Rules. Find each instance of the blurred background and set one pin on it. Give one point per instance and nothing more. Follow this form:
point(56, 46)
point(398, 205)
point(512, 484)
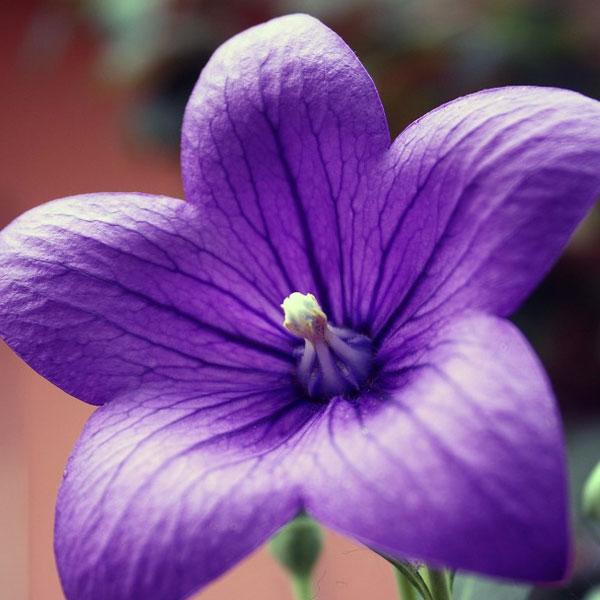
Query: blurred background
point(93, 93)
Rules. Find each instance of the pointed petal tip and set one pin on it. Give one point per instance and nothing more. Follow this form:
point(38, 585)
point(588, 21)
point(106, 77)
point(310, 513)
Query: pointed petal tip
point(164, 493)
point(463, 466)
point(108, 292)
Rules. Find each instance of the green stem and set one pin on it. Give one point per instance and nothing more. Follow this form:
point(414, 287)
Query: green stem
point(405, 587)
point(302, 587)
point(451, 577)
point(438, 584)
point(411, 574)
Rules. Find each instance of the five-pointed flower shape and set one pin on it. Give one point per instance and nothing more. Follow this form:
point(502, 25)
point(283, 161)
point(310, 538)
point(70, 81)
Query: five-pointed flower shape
point(168, 315)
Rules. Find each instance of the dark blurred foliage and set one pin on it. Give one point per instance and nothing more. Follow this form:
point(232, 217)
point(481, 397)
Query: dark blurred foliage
point(420, 53)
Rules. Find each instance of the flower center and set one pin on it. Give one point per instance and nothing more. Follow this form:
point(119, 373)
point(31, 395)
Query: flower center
point(334, 361)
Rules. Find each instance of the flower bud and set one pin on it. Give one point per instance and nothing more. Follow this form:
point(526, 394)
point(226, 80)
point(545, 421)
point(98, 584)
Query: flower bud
point(591, 495)
point(297, 546)
point(593, 594)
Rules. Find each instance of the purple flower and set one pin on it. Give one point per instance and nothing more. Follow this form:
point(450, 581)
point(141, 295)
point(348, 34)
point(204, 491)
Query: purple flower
point(414, 418)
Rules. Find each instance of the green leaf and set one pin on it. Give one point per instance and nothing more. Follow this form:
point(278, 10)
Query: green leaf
point(469, 587)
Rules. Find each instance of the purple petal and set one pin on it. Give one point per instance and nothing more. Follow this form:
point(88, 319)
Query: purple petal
point(111, 292)
point(278, 139)
point(482, 195)
point(163, 492)
point(285, 147)
point(457, 461)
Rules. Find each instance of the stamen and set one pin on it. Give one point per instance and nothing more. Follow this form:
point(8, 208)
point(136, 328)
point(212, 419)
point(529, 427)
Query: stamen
point(334, 361)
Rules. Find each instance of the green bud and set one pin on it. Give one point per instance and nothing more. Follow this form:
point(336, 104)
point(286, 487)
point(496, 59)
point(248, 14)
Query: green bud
point(591, 495)
point(297, 546)
point(594, 593)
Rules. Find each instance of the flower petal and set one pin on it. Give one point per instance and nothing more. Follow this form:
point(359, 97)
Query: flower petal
point(459, 461)
point(279, 136)
point(110, 292)
point(482, 195)
point(163, 492)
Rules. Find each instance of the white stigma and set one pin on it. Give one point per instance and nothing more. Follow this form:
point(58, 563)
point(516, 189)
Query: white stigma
point(334, 361)
point(304, 317)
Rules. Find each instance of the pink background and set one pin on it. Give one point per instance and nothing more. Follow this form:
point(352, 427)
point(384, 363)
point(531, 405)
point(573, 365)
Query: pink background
point(61, 135)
